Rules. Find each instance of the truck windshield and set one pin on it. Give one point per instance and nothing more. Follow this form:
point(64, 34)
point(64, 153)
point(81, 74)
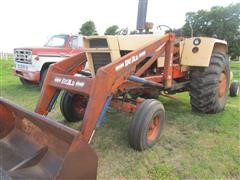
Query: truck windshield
point(57, 41)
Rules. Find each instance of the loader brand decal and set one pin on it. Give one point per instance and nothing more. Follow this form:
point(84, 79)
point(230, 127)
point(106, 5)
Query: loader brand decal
point(129, 61)
point(79, 84)
point(57, 79)
point(68, 82)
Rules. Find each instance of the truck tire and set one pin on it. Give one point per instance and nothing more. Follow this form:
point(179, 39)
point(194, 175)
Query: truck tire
point(146, 126)
point(26, 82)
point(73, 106)
point(209, 85)
point(234, 89)
point(42, 78)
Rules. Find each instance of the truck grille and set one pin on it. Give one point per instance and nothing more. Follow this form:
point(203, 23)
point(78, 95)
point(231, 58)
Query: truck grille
point(23, 56)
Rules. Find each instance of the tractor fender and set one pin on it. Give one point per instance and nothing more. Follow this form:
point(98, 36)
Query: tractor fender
point(197, 51)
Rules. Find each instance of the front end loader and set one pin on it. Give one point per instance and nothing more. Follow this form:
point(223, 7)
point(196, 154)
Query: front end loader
point(127, 73)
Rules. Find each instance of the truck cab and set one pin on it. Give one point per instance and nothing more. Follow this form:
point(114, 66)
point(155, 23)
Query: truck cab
point(31, 64)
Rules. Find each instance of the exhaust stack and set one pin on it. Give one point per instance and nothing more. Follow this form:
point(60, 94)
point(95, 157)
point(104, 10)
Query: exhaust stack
point(142, 14)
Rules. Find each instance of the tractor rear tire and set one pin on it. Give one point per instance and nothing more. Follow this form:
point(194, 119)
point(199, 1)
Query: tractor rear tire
point(73, 106)
point(209, 85)
point(234, 89)
point(146, 126)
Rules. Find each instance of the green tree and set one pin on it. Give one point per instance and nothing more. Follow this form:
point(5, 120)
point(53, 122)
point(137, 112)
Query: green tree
point(222, 22)
point(88, 28)
point(112, 30)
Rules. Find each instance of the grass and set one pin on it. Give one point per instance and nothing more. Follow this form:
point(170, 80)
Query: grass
point(192, 146)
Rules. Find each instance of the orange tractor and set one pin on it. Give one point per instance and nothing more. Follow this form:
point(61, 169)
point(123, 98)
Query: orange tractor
point(124, 72)
point(127, 73)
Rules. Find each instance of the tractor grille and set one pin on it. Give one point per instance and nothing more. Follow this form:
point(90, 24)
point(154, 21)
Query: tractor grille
point(98, 43)
point(100, 59)
point(23, 56)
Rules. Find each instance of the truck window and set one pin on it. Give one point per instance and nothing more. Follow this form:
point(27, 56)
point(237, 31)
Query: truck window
point(76, 42)
point(57, 41)
point(80, 41)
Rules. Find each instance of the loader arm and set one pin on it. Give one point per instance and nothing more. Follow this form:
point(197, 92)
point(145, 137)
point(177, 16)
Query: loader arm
point(111, 76)
point(69, 66)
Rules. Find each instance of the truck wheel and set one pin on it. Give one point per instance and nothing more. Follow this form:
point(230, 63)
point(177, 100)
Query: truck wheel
point(209, 85)
point(73, 106)
point(26, 82)
point(146, 126)
point(234, 89)
point(42, 78)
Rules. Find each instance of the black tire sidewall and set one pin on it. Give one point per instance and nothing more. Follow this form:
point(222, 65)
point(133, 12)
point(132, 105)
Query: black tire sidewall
point(149, 118)
point(67, 108)
point(138, 129)
point(42, 78)
point(225, 69)
point(204, 87)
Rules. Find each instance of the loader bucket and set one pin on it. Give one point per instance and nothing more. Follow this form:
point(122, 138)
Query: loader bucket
point(35, 147)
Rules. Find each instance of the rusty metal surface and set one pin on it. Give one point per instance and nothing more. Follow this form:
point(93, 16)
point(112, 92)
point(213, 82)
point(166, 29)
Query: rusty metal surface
point(168, 63)
point(71, 83)
point(123, 106)
point(35, 147)
point(68, 66)
point(6, 121)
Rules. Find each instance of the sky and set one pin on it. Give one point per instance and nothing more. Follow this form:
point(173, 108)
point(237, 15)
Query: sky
point(27, 23)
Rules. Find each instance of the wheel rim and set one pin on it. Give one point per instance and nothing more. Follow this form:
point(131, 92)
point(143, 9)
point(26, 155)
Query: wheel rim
point(222, 86)
point(153, 128)
point(79, 104)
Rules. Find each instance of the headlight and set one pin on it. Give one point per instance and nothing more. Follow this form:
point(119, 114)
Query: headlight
point(36, 58)
point(197, 41)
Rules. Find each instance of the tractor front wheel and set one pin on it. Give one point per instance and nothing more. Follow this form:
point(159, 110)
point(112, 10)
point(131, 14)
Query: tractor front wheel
point(73, 106)
point(209, 85)
point(146, 125)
